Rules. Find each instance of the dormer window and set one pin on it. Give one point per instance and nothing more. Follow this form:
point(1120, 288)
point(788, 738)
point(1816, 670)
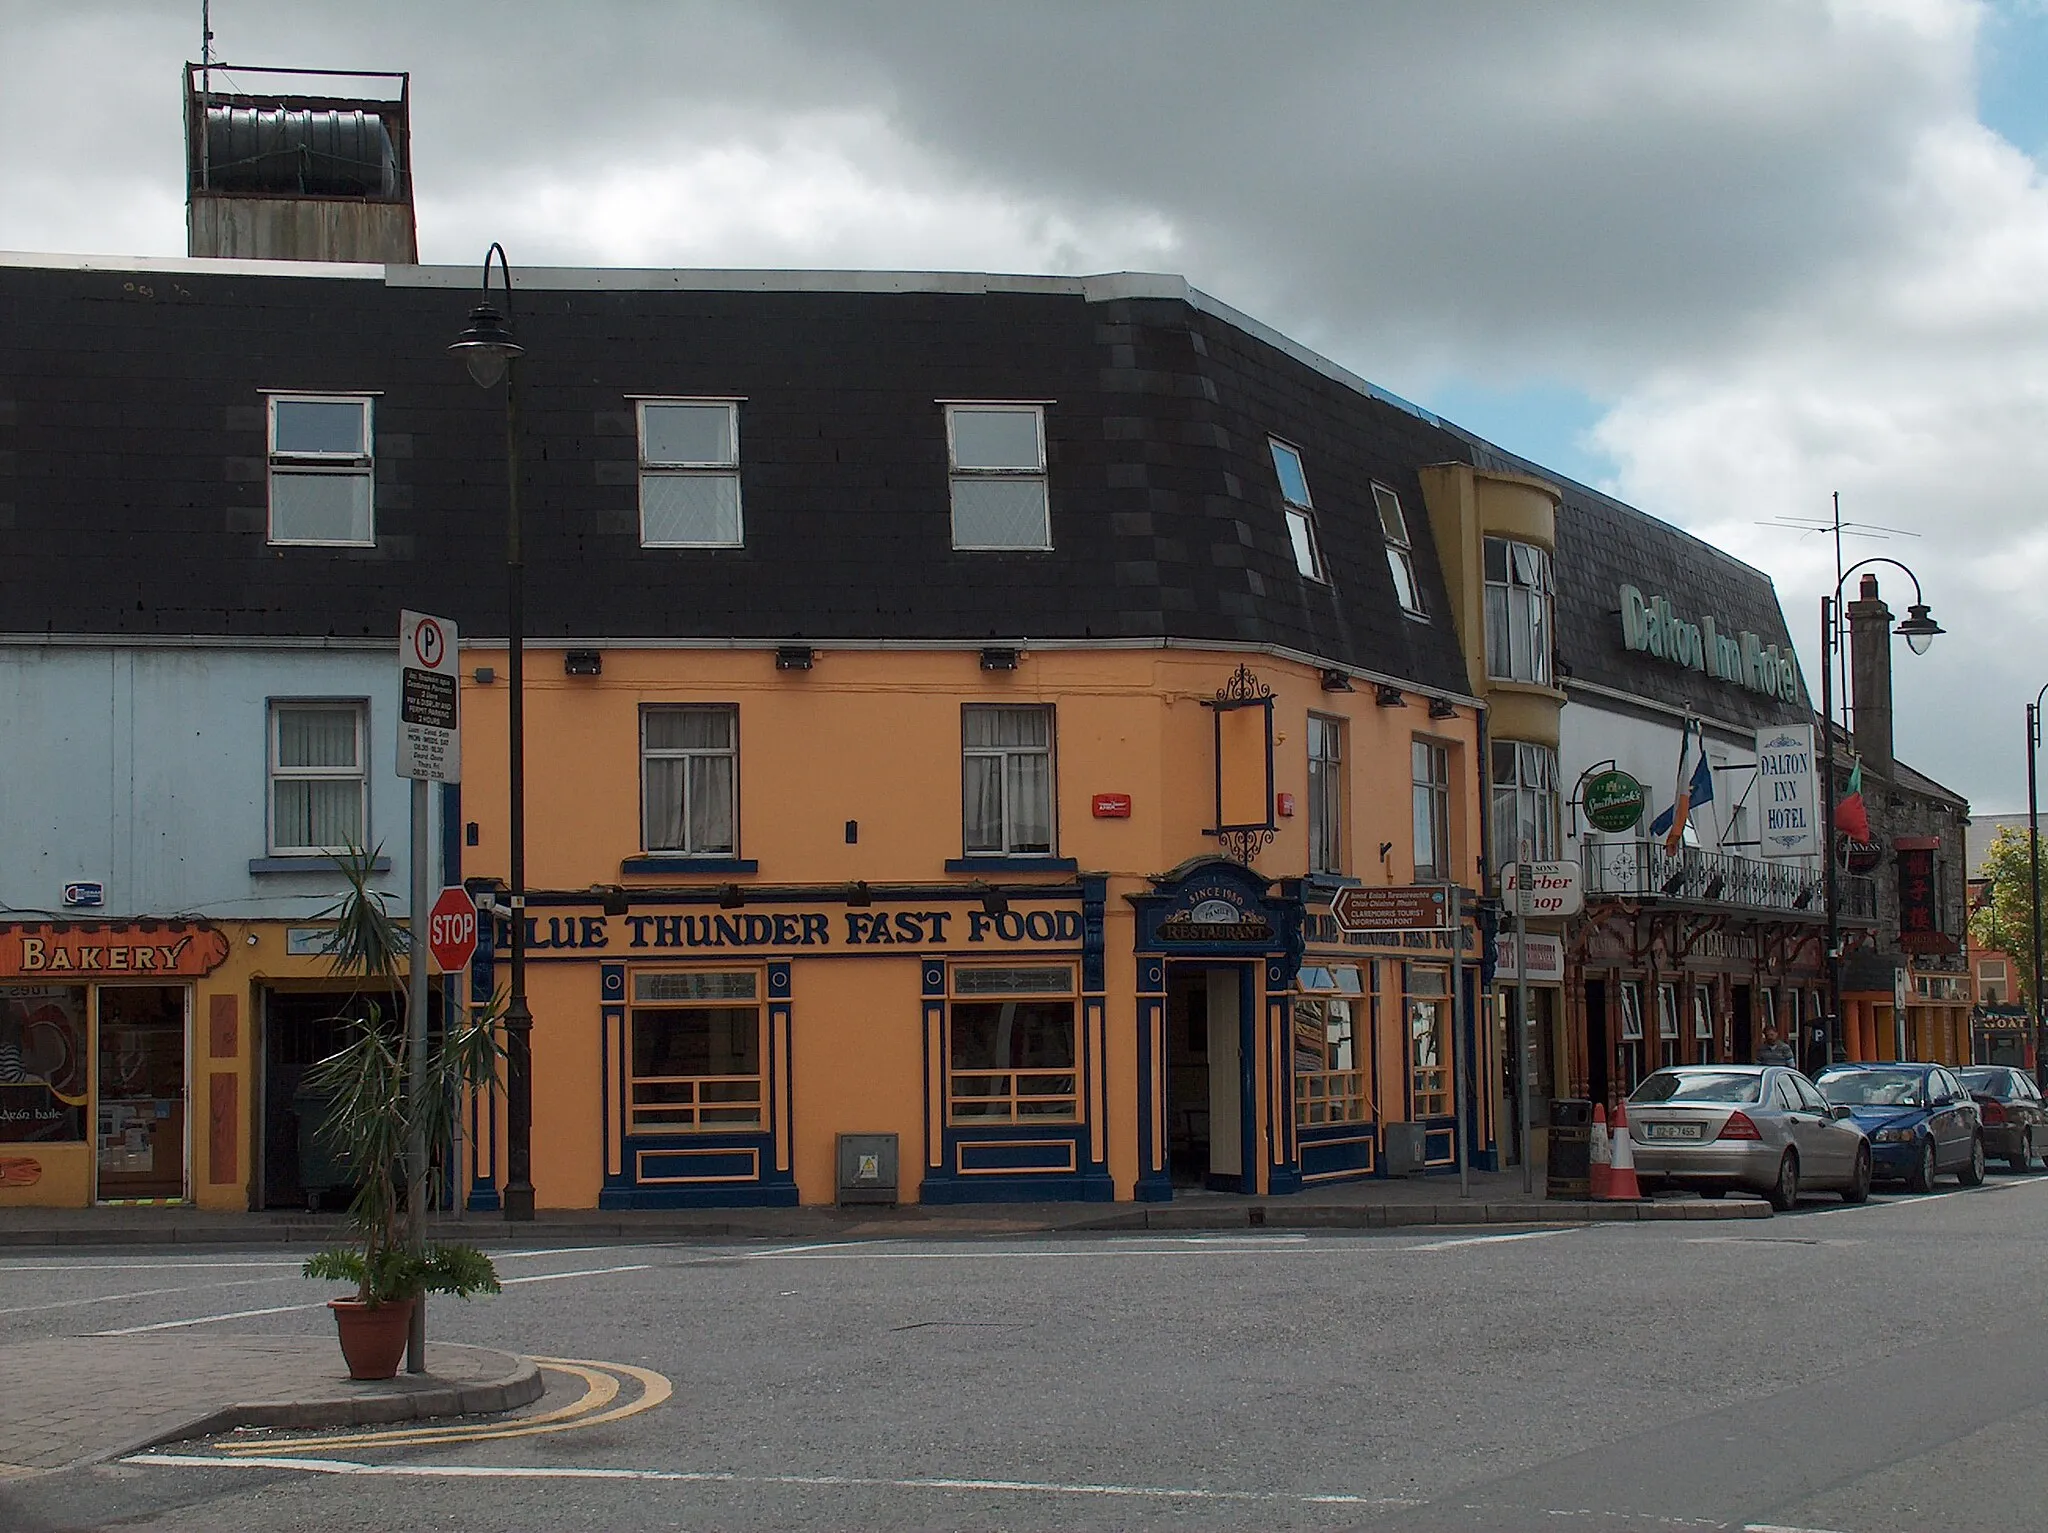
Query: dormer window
point(1400, 551)
point(1300, 509)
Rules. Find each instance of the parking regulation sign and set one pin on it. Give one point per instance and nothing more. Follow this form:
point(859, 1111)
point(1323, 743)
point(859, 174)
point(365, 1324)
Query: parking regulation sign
point(429, 727)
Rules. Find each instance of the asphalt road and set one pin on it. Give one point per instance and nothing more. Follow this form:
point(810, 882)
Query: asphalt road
point(1869, 1370)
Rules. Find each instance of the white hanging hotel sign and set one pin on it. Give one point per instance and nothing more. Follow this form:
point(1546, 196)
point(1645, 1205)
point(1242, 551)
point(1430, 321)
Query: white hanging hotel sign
point(1787, 792)
point(1649, 624)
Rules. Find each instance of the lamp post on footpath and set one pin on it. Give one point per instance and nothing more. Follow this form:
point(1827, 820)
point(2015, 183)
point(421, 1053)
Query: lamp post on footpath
point(486, 346)
point(1919, 630)
point(2034, 877)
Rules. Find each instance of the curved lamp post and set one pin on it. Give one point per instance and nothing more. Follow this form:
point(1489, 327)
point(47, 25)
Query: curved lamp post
point(486, 346)
point(2034, 875)
point(1919, 630)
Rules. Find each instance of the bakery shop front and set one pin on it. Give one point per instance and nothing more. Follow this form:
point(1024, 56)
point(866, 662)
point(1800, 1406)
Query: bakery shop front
point(96, 1058)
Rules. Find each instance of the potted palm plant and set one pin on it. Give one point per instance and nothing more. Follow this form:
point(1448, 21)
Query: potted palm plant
point(369, 1122)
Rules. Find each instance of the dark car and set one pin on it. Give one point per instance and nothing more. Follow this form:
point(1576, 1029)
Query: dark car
point(1921, 1122)
point(2015, 1117)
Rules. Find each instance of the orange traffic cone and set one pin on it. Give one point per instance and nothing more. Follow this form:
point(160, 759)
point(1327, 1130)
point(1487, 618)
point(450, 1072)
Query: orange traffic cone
point(1621, 1176)
point(1597, 1156)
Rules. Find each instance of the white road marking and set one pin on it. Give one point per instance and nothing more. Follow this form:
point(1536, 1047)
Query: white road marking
point(350, 1467)
point(549, 1277)
point(717, 1477)
point(145, 1293)
point(1488, 1240)
point(237, 1314)
point(824, 1245)
point(195, 1266)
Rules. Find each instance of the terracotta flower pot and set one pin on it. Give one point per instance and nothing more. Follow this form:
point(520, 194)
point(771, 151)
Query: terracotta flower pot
point(372, 1337)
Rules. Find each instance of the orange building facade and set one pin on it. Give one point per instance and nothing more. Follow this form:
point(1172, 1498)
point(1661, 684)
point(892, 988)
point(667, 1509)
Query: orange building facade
point(1116, 1011)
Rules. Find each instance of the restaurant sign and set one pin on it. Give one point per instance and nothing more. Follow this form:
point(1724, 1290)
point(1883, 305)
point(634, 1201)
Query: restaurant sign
point(110, 949)
point(800, 929)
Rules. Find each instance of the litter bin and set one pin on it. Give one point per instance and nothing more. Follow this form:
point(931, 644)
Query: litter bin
point(320, 1164)
point(1571, 1142)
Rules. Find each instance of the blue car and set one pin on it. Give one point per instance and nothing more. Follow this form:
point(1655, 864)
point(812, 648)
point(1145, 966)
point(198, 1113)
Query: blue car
point(1921, 1121)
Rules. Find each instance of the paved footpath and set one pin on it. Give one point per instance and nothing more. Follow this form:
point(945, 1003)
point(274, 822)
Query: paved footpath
point(1496, 1197)
point(73, 1400)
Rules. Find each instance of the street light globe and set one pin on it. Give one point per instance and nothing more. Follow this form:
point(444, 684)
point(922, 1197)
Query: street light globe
point(1919, 630)
point(486, 346)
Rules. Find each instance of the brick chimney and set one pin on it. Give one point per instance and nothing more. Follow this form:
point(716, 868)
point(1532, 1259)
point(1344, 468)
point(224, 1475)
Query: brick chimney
point(1870, 676)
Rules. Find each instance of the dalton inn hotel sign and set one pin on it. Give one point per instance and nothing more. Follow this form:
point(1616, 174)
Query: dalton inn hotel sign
point(1648, 623)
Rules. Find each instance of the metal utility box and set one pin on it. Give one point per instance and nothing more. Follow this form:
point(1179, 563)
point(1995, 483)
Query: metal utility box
point(867, 1168)
point(1407, 1148)
point(1571, 1145)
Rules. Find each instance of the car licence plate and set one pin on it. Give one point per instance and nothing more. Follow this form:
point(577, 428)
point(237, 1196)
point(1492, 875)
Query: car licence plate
point(1674, 1131)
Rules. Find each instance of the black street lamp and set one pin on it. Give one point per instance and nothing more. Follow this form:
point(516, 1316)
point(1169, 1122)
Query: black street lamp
point(490, 353)
point(1919, 631)
point(2034, 875)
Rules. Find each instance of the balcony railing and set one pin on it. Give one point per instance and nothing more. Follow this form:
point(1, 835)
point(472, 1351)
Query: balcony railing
point(1644, 870)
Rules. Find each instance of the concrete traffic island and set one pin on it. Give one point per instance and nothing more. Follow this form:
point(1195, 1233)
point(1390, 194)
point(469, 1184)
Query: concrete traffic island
point(77, 1400)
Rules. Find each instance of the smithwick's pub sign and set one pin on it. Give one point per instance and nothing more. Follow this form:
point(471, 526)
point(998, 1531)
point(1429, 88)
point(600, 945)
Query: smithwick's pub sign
point(110, 949)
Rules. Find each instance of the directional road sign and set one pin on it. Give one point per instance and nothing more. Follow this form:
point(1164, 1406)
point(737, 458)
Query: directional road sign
point(1403, 907)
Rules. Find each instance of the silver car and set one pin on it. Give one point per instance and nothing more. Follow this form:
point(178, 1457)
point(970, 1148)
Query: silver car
point(1758, 1128)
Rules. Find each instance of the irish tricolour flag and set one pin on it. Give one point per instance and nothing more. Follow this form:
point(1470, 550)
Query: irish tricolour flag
point(1695, 786)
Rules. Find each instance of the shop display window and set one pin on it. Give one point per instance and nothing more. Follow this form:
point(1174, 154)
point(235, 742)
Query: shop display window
point(1329, 1082)
point(696, 1053)
point(1429, 1040)
point(45, 1062)
point(141, 1105)
point(1011, 1046)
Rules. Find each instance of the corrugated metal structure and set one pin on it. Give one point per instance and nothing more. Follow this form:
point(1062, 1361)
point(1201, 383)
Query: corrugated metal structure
point(299, 177)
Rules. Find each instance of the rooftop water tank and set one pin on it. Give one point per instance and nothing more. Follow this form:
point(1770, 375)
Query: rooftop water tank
point(299, 153)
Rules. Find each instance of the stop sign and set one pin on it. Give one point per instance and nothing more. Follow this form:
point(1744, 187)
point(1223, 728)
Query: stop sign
point(451, 930)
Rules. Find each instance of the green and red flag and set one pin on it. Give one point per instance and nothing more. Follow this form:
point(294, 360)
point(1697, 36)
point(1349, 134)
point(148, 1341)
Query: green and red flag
point(1851, 818)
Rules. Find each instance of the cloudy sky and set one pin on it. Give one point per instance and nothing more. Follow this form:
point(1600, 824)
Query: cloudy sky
point(1719, 259)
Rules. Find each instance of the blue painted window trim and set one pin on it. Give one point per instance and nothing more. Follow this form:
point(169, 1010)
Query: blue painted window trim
point(319, 862)
point(1012, 865)
point(690, 865)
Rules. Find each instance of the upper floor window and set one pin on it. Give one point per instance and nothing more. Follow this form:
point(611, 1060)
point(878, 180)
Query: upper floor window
point(319, 788)
point(1525, 806)
point(689, 473)
point(1400, 550)
point(322, 468)
point(1301, 511)
point(1432, 775)
point(1519, 595)
point(996, 456)
point(1325, 794)
point(689, 778)
point(1006, 780)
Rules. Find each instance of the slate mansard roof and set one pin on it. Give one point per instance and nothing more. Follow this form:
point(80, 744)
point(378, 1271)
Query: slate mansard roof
point(133, 460)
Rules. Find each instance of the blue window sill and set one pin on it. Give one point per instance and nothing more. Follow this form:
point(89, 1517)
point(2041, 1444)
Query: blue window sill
point(690, 865)
point(321, 863)
point(1012, 865)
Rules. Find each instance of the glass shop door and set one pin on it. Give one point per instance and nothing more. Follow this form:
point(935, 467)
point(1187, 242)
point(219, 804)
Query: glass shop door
point(142, 1127)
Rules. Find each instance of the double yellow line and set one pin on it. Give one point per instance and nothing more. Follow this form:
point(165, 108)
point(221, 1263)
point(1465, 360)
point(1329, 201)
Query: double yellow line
point(601, 1383)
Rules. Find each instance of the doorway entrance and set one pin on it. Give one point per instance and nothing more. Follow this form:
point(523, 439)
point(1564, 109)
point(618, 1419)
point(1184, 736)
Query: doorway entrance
point(1599, 1053)
point(1745, 1025)
point(299, 1030)
point(1206, 1088)
point(141, 1132)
